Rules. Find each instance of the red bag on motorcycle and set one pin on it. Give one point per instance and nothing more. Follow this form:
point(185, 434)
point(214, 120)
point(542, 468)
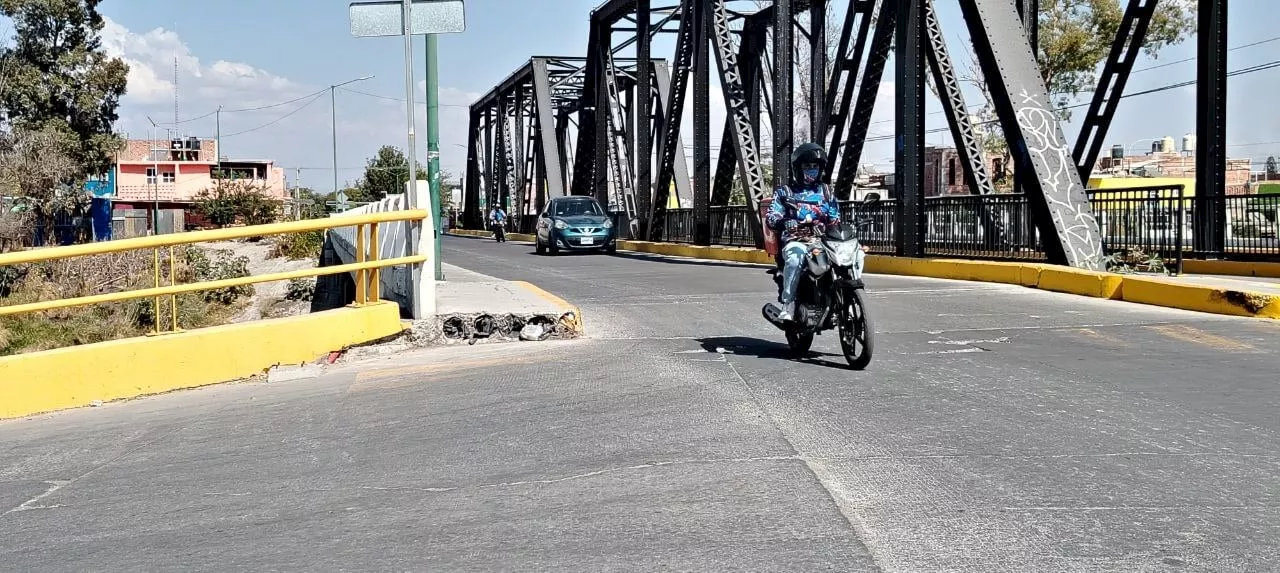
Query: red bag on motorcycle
point(770, 236)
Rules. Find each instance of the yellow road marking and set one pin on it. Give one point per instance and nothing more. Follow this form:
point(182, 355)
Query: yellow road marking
point(1195, 335)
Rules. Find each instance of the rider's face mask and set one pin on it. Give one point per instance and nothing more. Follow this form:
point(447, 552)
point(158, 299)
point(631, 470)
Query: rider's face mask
point(810, 172)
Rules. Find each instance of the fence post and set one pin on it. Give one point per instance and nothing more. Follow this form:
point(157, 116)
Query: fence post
point(1181, 223)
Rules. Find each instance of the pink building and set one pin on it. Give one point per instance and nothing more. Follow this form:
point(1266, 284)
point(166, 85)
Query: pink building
point(175, 171)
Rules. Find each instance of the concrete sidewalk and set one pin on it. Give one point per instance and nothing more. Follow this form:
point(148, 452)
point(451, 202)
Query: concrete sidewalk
point(471, 306)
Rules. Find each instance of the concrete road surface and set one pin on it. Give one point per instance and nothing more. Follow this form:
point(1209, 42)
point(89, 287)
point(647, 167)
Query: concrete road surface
point(999, 428)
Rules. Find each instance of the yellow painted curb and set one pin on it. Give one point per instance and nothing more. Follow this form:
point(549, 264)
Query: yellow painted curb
point(566, 307)
point(1043, 276)
point(81, 375)
point(1232, 268)
point(1200, 298)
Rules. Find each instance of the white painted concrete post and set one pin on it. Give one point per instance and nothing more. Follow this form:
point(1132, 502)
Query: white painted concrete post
point(422, 277)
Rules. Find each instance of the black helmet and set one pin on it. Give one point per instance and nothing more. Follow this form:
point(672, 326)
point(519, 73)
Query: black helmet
point(808, 153)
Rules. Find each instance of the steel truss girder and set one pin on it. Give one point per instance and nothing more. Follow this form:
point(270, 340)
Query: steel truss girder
point(553, 168)
point(739, 117)
point(750, 50)
point(1115, 73)
point(471, 191)
point(668, 141)
point(1069, 231)
point(619, 144)
point(846, 69)
point(944, 77)
point(868, 90)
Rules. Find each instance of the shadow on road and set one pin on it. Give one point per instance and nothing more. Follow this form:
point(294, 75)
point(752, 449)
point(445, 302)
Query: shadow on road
point(680, 261)
point(768, 349)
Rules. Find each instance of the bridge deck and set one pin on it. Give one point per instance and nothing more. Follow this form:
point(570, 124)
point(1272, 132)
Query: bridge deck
point(998, 428)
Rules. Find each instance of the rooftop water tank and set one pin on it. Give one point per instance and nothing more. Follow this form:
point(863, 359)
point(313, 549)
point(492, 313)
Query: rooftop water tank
point(1117, 151)
point(1166, 144)
point(1189, 143)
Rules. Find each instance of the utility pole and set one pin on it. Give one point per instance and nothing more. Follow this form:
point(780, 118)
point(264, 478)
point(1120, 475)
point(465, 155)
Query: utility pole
point(411, 200)
point(217, 146)
point(433, 147)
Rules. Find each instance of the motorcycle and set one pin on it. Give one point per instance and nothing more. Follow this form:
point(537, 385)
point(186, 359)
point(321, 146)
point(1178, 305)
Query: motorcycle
point(830, 294)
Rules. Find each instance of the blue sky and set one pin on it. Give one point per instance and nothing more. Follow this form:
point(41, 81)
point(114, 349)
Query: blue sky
point(251, 53)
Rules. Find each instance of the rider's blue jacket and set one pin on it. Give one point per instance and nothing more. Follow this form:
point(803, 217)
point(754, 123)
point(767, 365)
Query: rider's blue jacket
point(814, 202)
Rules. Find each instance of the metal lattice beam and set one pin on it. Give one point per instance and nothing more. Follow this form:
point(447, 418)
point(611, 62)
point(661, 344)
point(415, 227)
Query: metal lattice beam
point(668, 142)
point(868, 90)
point(739, 117)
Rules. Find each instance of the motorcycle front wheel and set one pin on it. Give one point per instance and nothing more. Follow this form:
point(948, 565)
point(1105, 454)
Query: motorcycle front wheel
point(857, 335)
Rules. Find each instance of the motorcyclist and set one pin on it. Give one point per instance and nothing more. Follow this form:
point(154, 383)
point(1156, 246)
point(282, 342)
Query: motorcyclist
point(498, 222)
point(800, 212)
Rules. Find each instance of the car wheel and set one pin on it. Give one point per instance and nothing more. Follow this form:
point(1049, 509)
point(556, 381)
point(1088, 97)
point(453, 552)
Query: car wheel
point(538, 248)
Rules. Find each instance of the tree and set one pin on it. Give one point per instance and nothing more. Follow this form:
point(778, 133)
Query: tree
point(40, 170)
point(57, 77)
point(1272, 168)
point(386, 173)
point(233, 200)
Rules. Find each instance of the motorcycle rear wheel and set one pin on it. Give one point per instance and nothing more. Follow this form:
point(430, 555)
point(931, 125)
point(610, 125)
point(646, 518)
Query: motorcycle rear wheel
point(857, 334)
point(798, 342)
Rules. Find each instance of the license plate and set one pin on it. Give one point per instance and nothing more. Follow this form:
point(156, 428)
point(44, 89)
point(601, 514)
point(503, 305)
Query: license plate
point(588, 241)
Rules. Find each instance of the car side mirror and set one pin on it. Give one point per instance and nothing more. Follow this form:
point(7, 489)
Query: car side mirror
point(870, 199)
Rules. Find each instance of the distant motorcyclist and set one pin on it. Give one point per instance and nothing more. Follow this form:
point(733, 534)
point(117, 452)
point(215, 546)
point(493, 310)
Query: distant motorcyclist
point(498, 222)
point(800, 212)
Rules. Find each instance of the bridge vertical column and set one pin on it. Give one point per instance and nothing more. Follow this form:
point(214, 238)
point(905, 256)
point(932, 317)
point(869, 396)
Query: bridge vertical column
point(818, 70)
point(643, 113)
point(701, 123)
point(472, 218)
point(909, 58)
point(600, 144)
point(490, 186)
point(783, 96)
point(1211, 129)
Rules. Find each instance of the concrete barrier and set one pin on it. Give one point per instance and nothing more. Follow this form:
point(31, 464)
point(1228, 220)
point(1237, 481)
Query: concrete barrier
point(1112, 286)
point(79, 376)
point(393, 241)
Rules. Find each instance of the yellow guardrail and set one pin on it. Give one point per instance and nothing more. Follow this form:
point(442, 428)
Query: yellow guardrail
point(367, 267)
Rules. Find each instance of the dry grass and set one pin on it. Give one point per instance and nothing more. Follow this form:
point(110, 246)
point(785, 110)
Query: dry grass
point(100, 274)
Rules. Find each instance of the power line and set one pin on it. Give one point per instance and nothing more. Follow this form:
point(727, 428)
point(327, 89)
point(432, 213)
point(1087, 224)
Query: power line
point(1192, 59)
point(276, 120)
point(399, 99)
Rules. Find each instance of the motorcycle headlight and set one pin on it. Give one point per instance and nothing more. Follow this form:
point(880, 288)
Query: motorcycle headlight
point(561, 224)
point(846, 254)
point(607, 224)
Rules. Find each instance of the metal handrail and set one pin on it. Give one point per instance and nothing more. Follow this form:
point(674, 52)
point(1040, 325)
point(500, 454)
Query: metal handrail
point(367, 266)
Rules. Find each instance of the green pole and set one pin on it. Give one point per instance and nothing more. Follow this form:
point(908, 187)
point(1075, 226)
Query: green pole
point(433, 145)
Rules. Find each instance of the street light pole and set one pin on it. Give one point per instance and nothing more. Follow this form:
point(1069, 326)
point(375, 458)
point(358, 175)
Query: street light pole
point(333, 108)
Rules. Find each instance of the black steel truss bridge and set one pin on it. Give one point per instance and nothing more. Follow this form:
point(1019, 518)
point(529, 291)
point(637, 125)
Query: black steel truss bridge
point(627, 113)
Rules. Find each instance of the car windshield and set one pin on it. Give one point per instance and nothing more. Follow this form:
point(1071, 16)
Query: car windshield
point(577, 208)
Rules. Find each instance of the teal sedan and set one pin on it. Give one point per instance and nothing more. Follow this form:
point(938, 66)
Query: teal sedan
point(575, 223)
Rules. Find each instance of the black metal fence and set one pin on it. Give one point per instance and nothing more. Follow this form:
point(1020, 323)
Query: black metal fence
point(1153, 220)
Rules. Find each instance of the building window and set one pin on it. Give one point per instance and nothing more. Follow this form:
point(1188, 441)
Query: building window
point(168, 177)
point(951, 171)
point(151, 176)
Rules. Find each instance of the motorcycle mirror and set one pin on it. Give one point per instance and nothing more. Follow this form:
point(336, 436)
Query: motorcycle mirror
point(870, 199)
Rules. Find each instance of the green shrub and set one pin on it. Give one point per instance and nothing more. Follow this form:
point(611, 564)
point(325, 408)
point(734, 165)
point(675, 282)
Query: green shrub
point(299, 246)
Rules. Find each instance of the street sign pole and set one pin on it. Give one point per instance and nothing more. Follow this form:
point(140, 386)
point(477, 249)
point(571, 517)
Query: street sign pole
point(416, 17)
point(433, 146)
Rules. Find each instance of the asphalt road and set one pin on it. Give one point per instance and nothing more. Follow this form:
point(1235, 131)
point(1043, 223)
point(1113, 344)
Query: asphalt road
point(999, 428)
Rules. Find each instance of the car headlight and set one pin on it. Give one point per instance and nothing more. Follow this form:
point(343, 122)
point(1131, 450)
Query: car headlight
point(561, 224)
point(846, 253)
point(607, 224)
